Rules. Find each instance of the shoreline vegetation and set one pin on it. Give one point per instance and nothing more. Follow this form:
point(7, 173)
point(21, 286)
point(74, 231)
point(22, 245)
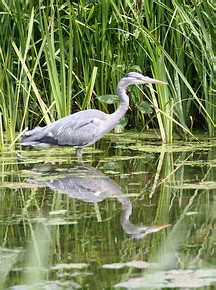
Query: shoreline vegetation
point(62, 57)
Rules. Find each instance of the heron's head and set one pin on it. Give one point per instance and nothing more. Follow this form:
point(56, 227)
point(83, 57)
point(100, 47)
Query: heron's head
point(137, 78)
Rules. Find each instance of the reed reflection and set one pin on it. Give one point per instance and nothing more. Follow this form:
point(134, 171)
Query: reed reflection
point(90, 185)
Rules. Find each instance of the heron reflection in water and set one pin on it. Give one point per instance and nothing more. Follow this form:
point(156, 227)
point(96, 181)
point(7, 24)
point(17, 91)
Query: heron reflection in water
point(91, 185)
point(84, 128)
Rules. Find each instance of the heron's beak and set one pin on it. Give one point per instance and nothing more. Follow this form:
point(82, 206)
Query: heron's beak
point(159, 82)
point(154, 81)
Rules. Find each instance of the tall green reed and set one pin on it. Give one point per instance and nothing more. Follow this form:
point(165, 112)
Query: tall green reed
point(198, 34)
point(61, 56)
point(194, 57)
point(17, 81)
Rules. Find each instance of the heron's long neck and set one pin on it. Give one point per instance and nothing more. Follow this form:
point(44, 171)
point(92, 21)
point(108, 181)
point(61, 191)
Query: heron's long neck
point(124, 102)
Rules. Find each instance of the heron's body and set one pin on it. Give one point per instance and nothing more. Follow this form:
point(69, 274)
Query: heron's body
point(86, 127)
point(76, 130)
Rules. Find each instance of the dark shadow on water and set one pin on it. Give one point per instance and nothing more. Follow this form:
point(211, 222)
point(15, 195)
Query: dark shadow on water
point(90, 185)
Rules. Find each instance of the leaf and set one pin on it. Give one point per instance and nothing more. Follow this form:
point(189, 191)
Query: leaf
point(145, 107)
point(109, 99)
point(68, 266)
point(119, 128)
point(131, 264)
point(172, 279)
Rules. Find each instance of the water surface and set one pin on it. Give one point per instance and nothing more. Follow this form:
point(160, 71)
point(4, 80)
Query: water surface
point(134, 214)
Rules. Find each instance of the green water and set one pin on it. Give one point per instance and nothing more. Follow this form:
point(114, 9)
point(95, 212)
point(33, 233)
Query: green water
point(134, 214)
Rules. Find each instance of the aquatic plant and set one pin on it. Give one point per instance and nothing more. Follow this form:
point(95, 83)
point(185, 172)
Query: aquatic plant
point(61, 57)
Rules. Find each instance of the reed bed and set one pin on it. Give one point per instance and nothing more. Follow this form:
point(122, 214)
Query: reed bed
point(63, 56)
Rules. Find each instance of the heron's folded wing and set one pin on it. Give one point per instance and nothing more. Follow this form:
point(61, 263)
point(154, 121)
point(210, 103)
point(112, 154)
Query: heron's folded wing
point(79, 129)
point(83, 132)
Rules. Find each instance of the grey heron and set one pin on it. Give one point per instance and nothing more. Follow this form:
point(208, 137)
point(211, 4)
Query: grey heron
point(90, 185)
point(84, 128)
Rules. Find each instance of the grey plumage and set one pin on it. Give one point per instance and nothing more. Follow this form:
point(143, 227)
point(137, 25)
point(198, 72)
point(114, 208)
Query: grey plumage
point(85, 127)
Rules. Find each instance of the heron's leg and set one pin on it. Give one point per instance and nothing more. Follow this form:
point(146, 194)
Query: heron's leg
point(79, 152)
